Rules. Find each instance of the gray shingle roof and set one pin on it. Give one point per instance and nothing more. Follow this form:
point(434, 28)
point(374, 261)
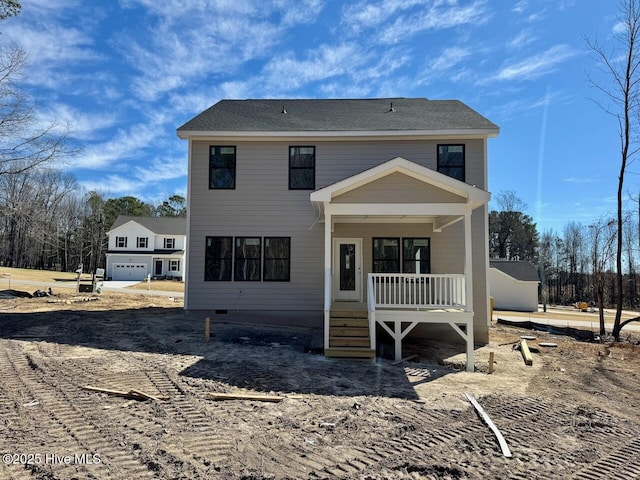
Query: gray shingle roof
point(158, 225)
point(329, 115)
point(520, 270)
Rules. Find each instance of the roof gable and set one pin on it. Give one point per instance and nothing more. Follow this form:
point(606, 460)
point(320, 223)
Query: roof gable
point(157, 225)
point(400, 115)
point(471, 194)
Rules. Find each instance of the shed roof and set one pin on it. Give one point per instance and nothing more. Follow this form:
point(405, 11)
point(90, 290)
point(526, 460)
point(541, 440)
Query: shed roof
point(338, 115)
point(520, 270)
point(158, 225)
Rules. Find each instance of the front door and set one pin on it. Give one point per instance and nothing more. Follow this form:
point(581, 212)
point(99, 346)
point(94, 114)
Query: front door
point(158, 267)
point(347, 269)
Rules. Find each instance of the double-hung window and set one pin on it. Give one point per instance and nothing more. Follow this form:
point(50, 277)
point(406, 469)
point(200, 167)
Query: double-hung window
point(174, 265)
point(142, 242)
point(451, 161)
point(277, 252)
point(222, 167)
point(302, 168)
point(218, 259)
point(121, 242)
point(247, 259)
point(169, 243)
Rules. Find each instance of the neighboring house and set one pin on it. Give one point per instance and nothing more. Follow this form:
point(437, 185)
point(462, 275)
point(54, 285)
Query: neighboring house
point(513, 285)
point(344, 213)
point(139, 246)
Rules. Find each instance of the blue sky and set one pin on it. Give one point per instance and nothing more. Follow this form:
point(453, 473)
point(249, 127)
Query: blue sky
point(126, 73)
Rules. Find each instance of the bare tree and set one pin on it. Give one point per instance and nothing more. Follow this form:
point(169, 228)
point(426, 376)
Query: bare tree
point(603, 235)
point(24, 144)
point(622, 65)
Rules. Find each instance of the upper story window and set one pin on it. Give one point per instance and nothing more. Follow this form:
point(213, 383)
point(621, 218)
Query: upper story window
point(121, 242)
point(451, 161)
point(222, 167)
point(142, 242)
point(302, 168)
point(169, 243)
point(218, 258)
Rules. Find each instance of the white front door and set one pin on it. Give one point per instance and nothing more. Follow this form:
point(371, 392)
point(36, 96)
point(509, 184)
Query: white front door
point(347, 269)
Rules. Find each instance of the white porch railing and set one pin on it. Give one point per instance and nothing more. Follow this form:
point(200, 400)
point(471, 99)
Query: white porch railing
point(397, 294)
point(408, 290)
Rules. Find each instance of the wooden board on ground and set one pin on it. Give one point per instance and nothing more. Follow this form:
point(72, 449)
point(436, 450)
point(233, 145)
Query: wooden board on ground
point(131, 394)
point(526, 353)
point(245, 396)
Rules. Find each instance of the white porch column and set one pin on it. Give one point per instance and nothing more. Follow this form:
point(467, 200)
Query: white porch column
point(468, 276)
point(327, 273)
point(468, 265)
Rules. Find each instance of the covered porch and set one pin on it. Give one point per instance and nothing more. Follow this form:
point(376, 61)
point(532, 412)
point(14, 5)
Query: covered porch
point(408, 205)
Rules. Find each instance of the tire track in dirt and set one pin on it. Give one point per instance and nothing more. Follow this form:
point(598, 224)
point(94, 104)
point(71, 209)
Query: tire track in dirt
point(623, 464)
point(70, 410)
point(197, 440)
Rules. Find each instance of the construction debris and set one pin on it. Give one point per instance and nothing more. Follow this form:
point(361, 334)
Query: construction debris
point(132, 394)
point(245, 396)
point(503, 443)
point(547, 344)
point(491, 361)
point(526, 353)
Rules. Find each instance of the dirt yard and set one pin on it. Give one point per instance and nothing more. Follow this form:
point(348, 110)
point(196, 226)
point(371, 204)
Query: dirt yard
point(574, 414)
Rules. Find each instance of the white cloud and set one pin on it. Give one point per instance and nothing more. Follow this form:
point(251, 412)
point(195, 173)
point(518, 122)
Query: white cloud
point(396, 20)
point(113, 184)
point(205, 39)
point(524, 38)
point(162, 169)
point(435, 18)
point(84, 124)
point(289, 73)
point(124, 144)
point(365, 14)
point(578, 180)
point(521, 6)
point(449, 58)
point(619, 28)
point(536, 65)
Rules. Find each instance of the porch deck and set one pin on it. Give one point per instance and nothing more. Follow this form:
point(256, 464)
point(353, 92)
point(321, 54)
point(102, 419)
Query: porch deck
point(400, 302)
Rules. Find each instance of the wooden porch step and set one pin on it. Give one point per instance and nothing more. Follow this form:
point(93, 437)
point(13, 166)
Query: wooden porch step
point(349, 314)
point(349, 322)
point(349, 341)
point(345, 352)
point(349, 331)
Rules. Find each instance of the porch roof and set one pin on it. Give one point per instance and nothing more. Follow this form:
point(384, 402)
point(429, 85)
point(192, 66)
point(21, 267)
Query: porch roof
point(473, 196)
point(441, 213)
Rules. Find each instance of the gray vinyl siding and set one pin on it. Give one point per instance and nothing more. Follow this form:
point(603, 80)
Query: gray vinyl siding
point(398, 188)
point(262, 205)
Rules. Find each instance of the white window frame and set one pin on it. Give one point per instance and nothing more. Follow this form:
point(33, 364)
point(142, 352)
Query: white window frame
point(121, 242)
point(170, 242)
point(174, 265)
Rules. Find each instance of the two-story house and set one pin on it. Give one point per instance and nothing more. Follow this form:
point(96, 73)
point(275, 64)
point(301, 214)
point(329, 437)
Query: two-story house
point(368, 217)
point(139, 246)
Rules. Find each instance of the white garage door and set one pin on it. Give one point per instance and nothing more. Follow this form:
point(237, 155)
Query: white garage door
point(129, 271)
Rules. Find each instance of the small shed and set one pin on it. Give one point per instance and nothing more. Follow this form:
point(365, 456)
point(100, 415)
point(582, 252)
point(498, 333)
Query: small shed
point(513, 285)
